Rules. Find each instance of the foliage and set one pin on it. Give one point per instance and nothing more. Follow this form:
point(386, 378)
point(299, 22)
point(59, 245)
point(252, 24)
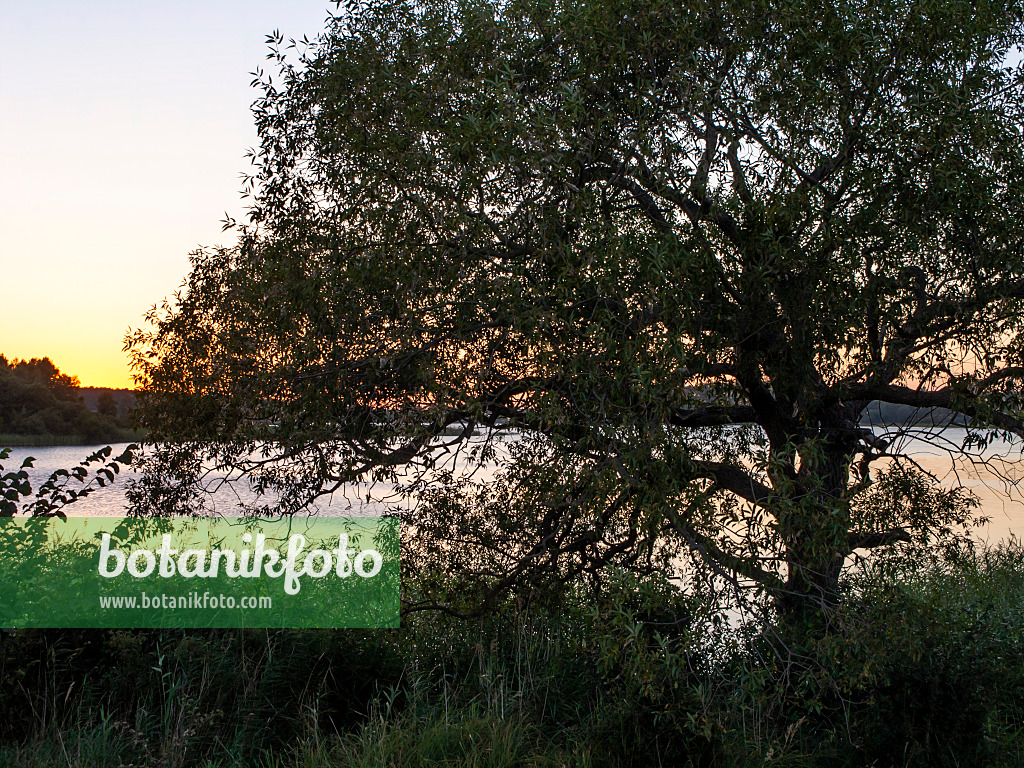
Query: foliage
point(42, 371)
point(662, 254)
point(37, 400)
point(107, 405)
point(62, 487)
point(941, 661)
point(926, 671)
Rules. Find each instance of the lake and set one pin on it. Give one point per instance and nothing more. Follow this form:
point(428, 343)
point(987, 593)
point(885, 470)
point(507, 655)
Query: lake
point(110, 501)
point(992, 474)
point(995, 475)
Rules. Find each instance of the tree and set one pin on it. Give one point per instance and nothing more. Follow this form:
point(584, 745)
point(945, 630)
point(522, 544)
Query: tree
point(661, 255)
point(106, 404)
point(43, 372)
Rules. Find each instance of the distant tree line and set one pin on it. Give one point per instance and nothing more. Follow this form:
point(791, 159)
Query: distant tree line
point(879, 413)
point(40, 404)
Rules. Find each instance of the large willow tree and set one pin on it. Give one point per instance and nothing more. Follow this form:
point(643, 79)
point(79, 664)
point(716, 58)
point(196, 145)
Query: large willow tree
point(646, 262)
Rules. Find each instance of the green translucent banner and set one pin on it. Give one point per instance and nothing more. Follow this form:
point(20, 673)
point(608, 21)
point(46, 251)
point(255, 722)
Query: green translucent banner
point(199, 572)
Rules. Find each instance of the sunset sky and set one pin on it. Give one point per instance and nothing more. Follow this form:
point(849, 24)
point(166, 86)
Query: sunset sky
point(123, 129)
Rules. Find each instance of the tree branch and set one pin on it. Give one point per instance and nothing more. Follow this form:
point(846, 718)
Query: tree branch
point(620, 180)
point(872, 539)
point(719, 559)
point(712, 416)
point(734, 479)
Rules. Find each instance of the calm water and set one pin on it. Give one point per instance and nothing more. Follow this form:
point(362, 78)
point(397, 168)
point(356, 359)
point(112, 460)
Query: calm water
point(993, 475)
point(357, 499)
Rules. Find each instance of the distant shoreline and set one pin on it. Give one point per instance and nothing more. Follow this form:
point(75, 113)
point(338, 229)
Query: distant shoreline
point(888, 415)
point(63, 441)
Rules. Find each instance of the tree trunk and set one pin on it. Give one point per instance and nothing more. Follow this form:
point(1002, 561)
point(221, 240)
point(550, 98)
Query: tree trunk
point(814, 525)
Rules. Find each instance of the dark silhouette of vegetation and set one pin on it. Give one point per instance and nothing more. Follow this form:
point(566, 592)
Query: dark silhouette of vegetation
point(663, 255)
point(106, 405)
point(650, 269)
point(927, 670)
point(62, 487)
point(39, 404)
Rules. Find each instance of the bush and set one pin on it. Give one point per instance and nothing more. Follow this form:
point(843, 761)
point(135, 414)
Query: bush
point(947, 650)
point(921, 668)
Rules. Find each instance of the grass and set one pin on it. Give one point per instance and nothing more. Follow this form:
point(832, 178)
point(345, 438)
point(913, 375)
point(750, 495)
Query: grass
point(588, 684)
point(11, 440)
point(464, 740)
point(471, 738)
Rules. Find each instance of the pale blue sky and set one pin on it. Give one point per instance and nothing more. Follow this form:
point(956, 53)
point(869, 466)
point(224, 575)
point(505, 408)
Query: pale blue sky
point(123, 127)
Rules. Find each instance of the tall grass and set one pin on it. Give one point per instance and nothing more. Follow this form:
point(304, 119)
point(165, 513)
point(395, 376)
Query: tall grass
point(11, 440)
point(17, 441)
point(928, 669)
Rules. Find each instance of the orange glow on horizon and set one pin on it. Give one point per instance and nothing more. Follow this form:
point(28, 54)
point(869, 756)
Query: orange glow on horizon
point(95, 365)
point(122, 140)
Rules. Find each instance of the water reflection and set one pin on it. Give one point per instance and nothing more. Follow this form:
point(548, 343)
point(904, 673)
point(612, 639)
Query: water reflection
point(991, 474)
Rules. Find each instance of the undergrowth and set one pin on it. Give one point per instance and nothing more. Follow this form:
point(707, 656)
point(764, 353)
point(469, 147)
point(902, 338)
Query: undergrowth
point(920, 669)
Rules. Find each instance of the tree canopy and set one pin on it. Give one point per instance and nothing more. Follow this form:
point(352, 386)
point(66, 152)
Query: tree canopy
point(40, 403)
point(646, 263)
